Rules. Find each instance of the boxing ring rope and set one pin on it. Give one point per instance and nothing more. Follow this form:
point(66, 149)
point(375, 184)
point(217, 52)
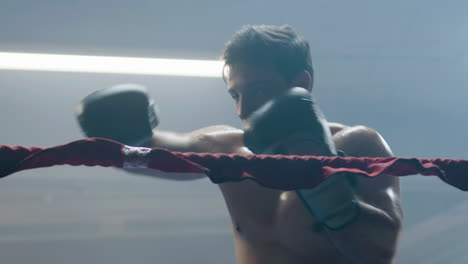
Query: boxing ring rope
point(273, 171)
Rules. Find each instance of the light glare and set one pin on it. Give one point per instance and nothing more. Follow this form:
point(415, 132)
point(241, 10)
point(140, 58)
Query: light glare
point(106, 64)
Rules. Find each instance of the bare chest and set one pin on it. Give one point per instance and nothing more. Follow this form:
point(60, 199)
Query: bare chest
point(265, 216)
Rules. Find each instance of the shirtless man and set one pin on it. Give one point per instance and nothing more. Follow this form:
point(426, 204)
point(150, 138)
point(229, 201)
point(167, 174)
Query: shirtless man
point(262, 63)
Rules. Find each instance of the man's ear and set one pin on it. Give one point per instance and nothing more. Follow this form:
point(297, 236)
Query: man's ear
point(304, 80)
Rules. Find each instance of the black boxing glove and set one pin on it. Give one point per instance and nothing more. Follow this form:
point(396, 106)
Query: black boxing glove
point(286, 115)
point(333, 203)
point(124, 113)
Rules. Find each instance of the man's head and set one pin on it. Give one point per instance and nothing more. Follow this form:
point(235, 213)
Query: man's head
point(263, 61)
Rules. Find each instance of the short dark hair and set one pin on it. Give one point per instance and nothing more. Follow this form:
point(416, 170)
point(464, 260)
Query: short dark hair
point(279, 46)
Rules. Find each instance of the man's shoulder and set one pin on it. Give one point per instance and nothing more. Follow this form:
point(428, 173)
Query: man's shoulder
point(361, 140)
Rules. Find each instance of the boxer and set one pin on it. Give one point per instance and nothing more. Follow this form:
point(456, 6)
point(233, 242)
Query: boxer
point(268, 71)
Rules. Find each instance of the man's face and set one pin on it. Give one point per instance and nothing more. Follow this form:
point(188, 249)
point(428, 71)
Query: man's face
point(252, 86)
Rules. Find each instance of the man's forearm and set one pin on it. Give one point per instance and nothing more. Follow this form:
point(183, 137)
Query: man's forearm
point(371, 238)
point(172, 141)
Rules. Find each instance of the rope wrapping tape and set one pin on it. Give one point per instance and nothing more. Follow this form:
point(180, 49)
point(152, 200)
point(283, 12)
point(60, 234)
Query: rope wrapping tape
point(272, 171)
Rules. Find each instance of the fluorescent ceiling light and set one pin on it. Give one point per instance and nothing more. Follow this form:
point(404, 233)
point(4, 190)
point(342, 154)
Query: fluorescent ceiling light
point(105, 64)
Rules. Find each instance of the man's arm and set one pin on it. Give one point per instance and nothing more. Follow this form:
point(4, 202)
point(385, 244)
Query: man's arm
point(292, 123)
point(373, 237)
point(200, 140)
point(207, 139)
point(127, 114)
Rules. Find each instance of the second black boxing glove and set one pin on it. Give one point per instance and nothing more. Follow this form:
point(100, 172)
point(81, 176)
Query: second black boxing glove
point(124, 113)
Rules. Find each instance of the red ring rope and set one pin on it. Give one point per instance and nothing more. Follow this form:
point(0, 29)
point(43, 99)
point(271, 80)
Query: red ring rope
point(273, 171)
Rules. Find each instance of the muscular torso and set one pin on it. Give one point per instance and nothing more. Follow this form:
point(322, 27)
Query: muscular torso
point(271, 226)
